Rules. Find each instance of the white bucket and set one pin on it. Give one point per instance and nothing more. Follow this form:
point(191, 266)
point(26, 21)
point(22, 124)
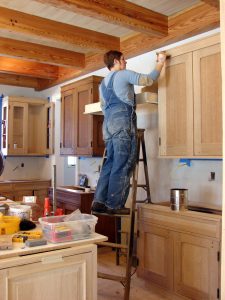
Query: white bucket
point(22, 211)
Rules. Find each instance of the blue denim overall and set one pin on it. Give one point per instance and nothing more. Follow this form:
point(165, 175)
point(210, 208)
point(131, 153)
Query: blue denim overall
point(119, 132)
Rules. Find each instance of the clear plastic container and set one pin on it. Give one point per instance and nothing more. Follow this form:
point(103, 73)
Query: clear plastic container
point(55, 229)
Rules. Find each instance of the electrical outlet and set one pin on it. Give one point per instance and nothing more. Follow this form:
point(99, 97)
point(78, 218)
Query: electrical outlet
point(212, 176)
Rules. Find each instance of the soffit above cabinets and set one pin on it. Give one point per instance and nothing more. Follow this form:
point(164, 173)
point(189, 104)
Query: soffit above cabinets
point(46, 42)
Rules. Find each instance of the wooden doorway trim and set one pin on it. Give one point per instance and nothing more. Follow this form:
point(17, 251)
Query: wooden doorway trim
point(222, 25)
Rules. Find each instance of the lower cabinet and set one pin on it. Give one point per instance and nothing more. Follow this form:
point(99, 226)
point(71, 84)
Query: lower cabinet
point(155, 253)
point(16, 189)
point(63, 274)
point(196, 266)
point(179, 251)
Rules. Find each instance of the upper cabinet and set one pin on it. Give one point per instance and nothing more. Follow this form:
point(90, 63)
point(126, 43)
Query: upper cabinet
point(190, 101)
point(27, 127)
point(81, 134)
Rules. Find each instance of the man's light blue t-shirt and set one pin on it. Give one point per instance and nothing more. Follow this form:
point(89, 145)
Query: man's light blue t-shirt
point(124, 82)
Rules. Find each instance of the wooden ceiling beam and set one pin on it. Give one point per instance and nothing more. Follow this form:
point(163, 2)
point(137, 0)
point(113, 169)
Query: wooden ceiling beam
point(119, 12)
point(40, 53)
point(27, 68)
point(17, 80)
point(194, 21)
point(200, 18)
point(19, 24)
point(215, 3)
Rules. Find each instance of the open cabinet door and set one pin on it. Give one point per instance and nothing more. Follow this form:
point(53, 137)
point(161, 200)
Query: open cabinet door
point(50, 126)
point(2, 163)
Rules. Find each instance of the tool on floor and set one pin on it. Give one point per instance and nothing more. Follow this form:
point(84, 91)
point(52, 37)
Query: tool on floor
point(131, 259)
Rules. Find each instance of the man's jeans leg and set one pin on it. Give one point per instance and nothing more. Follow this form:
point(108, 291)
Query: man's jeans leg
point(101, 192)
point(124, 146)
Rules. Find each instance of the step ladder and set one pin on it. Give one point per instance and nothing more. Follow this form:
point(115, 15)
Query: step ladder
point(129, 246)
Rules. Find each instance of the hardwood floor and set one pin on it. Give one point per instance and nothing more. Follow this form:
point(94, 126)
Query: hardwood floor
point(140, 289)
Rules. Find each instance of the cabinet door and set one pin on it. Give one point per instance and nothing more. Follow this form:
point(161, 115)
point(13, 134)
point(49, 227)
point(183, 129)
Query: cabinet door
point(84, 123)
point(196, 268)
point(4, 133)
point(50, 117)
point(54, 278)
point(207, 101)
point(67, 144)
point(155, 253)
point(176, 107)
point(98, 143)
point(17, 128)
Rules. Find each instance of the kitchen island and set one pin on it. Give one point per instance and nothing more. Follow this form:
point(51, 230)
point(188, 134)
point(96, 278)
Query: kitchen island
point(62, 271)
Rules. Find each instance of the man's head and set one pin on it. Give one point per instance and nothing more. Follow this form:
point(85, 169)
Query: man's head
point(114, 60)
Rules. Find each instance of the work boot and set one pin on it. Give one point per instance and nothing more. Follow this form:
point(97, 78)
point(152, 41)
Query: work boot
point(98, 207)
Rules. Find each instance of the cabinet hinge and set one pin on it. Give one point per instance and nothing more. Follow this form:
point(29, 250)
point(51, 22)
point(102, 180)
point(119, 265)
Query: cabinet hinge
point(159, 141)
point(60, 144)
point(218, 256)
point(218, 293)
point(91, 143)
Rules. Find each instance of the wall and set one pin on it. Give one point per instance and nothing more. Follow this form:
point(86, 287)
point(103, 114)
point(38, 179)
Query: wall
point(164, 173)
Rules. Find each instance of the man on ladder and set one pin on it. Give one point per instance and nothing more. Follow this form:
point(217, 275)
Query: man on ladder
point(119, 131)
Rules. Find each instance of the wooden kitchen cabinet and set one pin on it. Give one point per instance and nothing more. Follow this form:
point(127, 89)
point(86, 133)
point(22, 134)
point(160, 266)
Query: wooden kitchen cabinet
point(157, 265)
point(27, 127)
point(16, 189)
point(65, 282)
point(81, 134)
point(55, 271)
point(190, 102)
point(196, 266)
point(179, 251)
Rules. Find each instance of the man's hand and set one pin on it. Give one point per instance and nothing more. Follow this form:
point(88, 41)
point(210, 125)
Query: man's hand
point(161, 57)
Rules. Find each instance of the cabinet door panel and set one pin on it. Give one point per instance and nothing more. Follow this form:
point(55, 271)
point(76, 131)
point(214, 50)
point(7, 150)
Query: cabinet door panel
point(84, 122)
point(195, 267)
point(98, 143)
point(18, 120)
point(176, 107)
point(68, 278)
point(155, 247)
point(67, 145)
point(207, 101)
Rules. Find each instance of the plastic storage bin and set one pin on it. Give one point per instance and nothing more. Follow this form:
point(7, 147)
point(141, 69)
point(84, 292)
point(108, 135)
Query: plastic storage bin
point(55, 229)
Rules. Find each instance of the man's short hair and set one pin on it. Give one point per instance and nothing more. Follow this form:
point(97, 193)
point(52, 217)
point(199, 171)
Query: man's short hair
point(110, 56)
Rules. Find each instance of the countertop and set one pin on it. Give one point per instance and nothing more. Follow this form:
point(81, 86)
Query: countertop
point(73, 189)
point(22, 180)
point(20, 250)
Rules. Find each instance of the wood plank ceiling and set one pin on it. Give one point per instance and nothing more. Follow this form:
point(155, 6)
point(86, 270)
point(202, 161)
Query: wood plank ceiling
point(46, 42)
